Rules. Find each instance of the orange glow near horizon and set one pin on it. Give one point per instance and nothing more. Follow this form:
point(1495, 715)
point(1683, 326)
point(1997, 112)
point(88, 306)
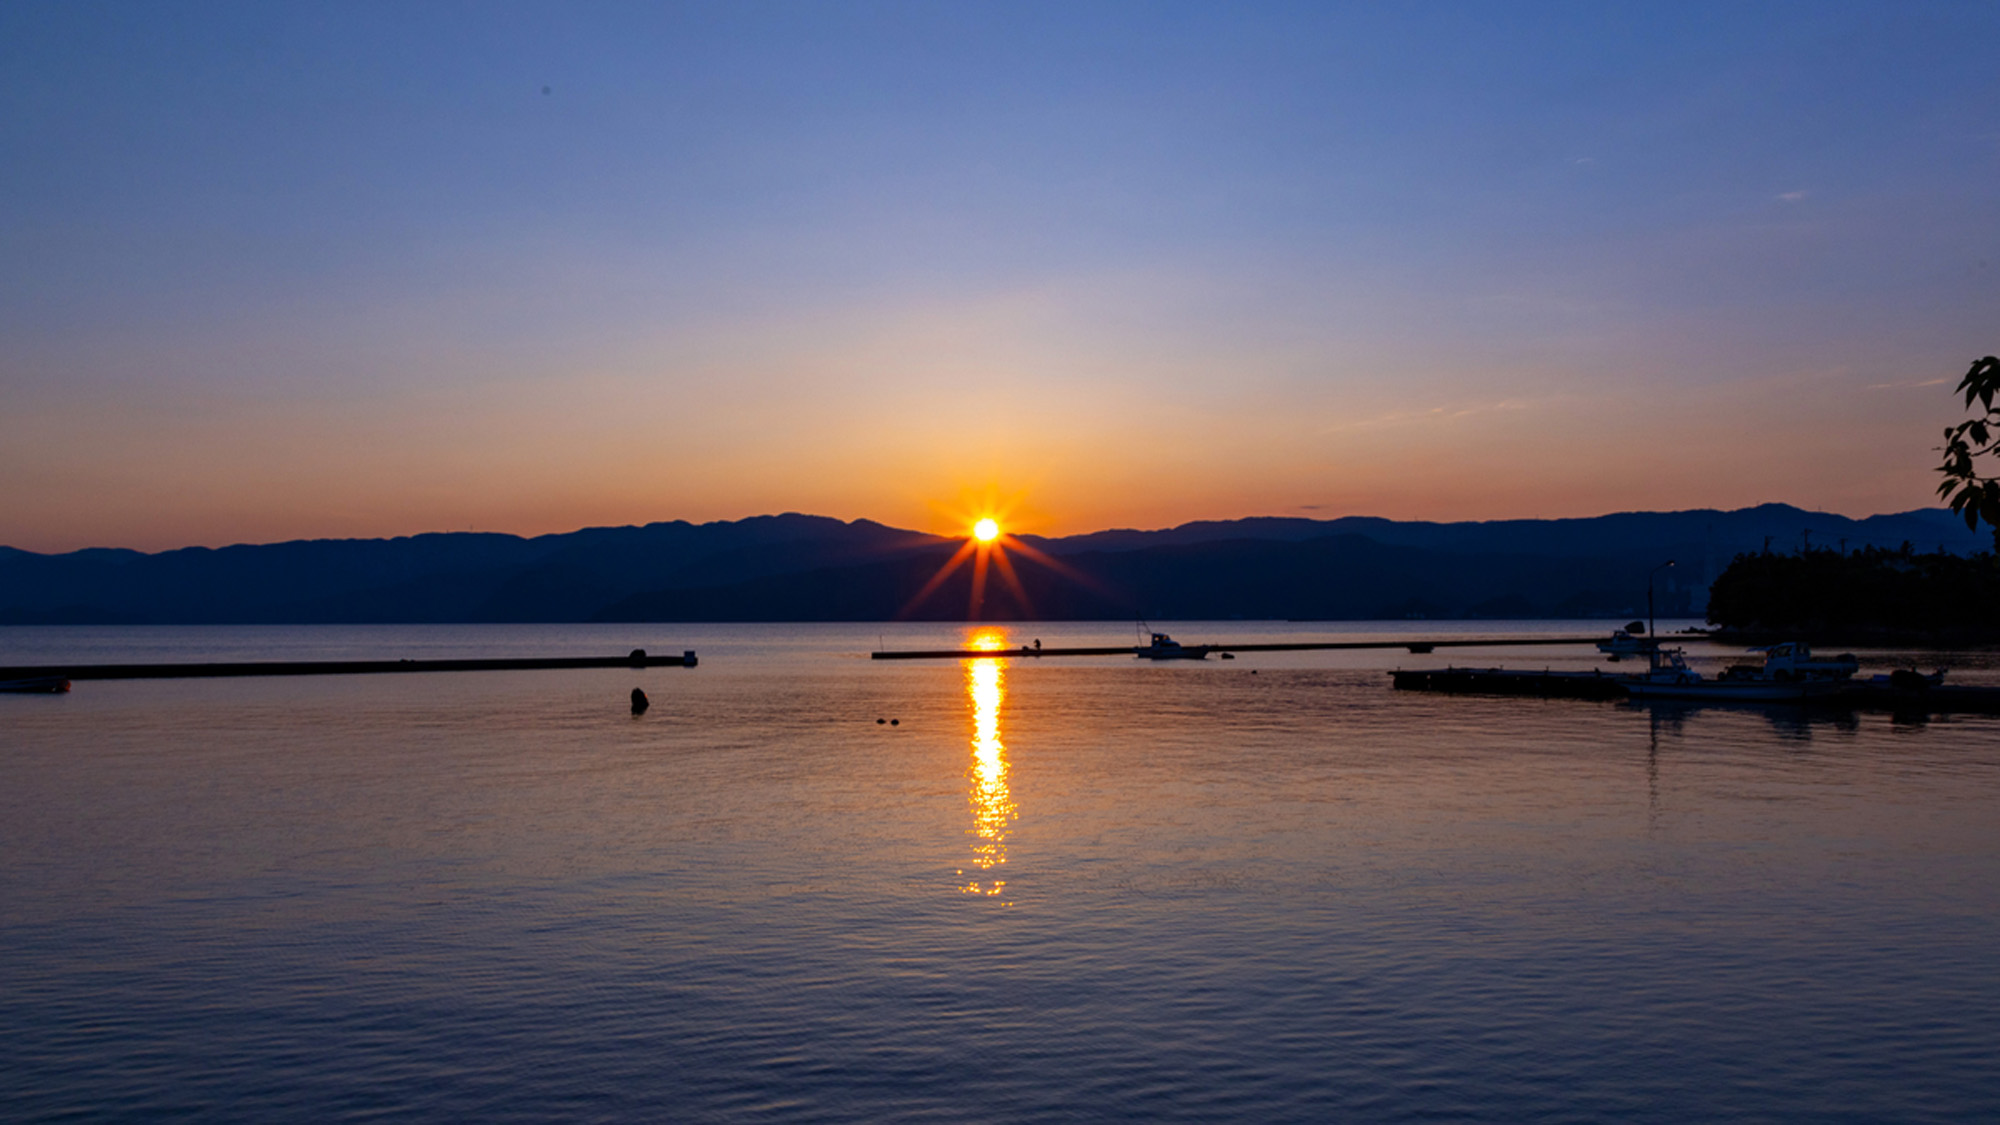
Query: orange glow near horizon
point(987, 548)
point(985, 511)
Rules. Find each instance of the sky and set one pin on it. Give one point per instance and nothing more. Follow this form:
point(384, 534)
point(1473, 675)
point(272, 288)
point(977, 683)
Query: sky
point(274, 271)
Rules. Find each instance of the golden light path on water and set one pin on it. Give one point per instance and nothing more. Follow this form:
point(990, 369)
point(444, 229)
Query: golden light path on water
point(993, 810)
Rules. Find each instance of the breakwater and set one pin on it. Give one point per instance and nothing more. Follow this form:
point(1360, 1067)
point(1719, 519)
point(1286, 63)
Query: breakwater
point(1853, 696)
point(638, 658)
point(1418, 646)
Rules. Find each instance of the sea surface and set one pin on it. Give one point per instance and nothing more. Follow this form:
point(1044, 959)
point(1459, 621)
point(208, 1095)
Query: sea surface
point(811, 886)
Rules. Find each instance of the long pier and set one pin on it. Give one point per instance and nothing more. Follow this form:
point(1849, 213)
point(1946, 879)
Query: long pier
point(637, 659)
point(1275, 646)
point(1853, 696)
point(1505, 681)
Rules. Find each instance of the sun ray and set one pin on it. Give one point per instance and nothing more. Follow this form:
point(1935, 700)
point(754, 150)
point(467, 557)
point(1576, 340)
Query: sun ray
point(982, 517)
point(965, 551)
point(977, 608)
point(1057, 565)
point(1013, 581)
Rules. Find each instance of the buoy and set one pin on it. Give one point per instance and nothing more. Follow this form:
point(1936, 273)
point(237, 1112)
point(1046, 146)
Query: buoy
point(640, 702)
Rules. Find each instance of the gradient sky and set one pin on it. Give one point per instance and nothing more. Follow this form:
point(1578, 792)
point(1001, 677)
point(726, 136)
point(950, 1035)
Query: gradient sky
point(274, 271)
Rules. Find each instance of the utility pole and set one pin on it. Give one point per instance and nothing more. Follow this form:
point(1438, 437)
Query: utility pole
point(1652, 627)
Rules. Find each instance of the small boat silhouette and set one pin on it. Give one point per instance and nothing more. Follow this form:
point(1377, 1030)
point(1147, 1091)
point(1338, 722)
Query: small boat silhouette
point(1167, 648)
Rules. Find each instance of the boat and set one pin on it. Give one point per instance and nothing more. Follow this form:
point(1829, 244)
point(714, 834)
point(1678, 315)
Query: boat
point(36, 685)
point(1167, 648)
point(1789, 674)
point(1907, 679)
point(1794, 661)
point(1629, 641)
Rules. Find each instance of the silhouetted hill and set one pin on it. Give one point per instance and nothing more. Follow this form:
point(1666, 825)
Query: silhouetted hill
point(796, 567)
point(1687, 532)
point(449, 577)
point(1332, 577)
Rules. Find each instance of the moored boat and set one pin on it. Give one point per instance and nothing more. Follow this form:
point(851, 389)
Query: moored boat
point(1791, 660)
point(1907, 679)
point(1629, 641)
point(1723, 691)
point(1789, 674)
point(1164, 647)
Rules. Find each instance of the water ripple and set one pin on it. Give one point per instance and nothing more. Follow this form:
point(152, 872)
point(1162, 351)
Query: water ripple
point(1296, 896)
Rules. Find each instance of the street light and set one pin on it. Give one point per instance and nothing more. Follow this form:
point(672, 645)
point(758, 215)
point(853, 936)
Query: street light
point(1653, 630)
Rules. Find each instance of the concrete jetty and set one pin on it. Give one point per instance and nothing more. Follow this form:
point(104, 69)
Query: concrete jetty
point(1221, 646)
point(1858, 695)
point(637, 659)
point(1506, 681)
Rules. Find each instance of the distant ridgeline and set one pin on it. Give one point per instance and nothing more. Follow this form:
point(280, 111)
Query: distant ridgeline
point(809, 568)
point(1859, 597)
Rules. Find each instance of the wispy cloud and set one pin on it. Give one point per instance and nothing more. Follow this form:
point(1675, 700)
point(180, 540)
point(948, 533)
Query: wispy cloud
point(1791, 196)
point(1434, 414)
point(1900, 386)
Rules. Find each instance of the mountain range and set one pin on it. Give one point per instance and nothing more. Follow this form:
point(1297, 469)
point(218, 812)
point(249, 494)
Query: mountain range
point(810, 568)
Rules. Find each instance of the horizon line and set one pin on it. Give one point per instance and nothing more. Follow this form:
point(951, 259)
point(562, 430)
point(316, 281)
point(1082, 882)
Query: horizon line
point(529, 536)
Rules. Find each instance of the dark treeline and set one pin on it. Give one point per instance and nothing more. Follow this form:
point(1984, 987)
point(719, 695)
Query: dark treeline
point(1858, 596)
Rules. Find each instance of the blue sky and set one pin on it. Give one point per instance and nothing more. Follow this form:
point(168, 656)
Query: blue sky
point(270, 271)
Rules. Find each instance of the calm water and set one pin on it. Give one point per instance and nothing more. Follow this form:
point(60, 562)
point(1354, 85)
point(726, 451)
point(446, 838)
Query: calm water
point(1262, 889)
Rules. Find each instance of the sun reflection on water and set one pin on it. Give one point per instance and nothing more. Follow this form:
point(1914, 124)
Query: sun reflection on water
point(993, 810)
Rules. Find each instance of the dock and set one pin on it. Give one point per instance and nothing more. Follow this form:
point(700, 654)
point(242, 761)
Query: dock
point(1504, 681)
point(636, 659)
point(1955, 699)
point(1945, 699)
point(1214, 646)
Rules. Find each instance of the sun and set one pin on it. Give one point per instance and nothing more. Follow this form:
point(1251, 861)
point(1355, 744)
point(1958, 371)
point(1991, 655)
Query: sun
point(988, 546)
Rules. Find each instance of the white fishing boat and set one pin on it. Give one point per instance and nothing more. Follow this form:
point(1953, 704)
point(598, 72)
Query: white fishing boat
point(1789, 674)
point(1794, 661)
